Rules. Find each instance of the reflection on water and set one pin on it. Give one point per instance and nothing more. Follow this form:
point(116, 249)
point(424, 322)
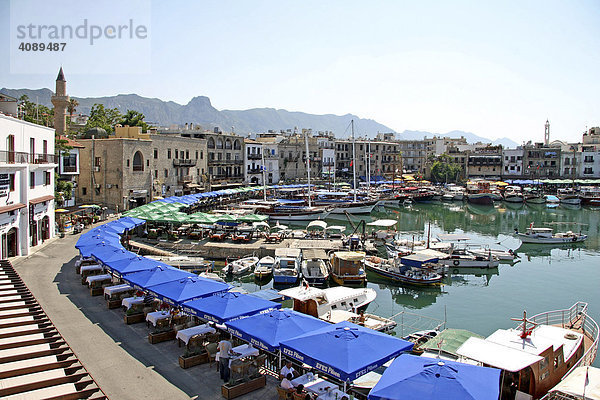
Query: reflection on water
point(544, 277)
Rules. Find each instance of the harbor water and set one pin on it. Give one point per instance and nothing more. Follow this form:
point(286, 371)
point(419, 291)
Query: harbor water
point(542, 278)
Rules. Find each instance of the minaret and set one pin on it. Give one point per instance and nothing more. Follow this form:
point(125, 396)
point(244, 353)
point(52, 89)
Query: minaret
point(60, 100)
point(547, 133)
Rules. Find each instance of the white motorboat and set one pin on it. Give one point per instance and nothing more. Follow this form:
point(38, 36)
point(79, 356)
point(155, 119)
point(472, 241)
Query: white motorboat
point(185, 262)
point(286, 269)
point(264, 268)
point(513, 194)
point(546, 236)
point(319, 302)
point(502, 255)
point(314, 267)
point(241, 266)
point(370, 321)
point(394, 270)
point(211, 275)
point(467, 260)
point(568, 196)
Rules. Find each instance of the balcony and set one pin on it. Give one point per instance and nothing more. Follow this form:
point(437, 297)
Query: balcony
point(254, 156)
point(69, 169)
point(254, 171)
point(225, 162)
point(21, 157)
point(184, 179)
point(328, 163)
point(181, 162)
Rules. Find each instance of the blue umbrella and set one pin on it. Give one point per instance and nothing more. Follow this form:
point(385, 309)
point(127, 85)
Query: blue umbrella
point(131, 265)
point(265, 331)
point(144, 279)
point(131, 222)
point(105, 250)
point(345, 351)
point(186, 289)
point(88, 239)
point(221, 307)
point(421, 378)
point(113, 255)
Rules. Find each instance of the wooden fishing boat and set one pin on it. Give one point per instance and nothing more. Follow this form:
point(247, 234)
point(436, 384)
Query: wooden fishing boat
point(314, 266)
point(394, 270)
point(264, 268)
point(241, 266)
point(347, 268)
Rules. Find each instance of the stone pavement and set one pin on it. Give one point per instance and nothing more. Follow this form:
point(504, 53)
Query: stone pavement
point(118, 356)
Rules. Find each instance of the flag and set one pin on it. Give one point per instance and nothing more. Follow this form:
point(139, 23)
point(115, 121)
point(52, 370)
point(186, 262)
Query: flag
point(351, 162)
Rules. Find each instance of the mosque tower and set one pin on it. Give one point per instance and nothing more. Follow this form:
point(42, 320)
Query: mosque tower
point(60, 100)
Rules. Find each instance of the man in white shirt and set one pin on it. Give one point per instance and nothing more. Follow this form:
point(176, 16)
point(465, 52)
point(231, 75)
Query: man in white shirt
point(287, 369)
point(224, 348)
point(286, 383)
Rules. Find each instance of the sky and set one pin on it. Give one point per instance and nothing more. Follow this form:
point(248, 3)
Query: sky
point(497, 69)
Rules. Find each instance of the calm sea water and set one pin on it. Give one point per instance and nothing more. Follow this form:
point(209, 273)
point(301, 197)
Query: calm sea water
point(544, 277)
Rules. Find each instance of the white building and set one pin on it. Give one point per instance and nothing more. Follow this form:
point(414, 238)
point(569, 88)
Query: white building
point(27, 163)
point(328, 163)
point(512, 162)
point(253, 162)
point(589, 163)
point(271, 152)
point(68, 167)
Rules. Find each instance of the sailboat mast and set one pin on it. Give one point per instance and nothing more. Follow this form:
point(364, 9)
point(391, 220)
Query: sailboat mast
point(367, 173)
point(307, 166)
point(353, 159)
point(263, 175)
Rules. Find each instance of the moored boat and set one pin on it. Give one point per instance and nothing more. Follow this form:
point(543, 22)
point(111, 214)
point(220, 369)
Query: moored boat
point(318, 302)
point(347, 268)
point(539, 352)
point(241, 266)
point(314, 266)
point(394, 270)
point(286, 269)
point(264, 268)
point(546, 236)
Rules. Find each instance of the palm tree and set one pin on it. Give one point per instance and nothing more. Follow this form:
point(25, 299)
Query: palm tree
point(71, 108)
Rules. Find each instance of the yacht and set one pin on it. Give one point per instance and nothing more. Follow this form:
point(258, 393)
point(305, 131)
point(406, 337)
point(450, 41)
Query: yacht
point(314, 266)
point(241, 266)
point(513, 194)
point(319, 302)
point(539, 352)
point(546, 236)
point(286, 269)
point(568, 196)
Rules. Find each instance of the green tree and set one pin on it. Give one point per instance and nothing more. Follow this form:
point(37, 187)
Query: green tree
point(444, 169)
point(134, 118)
point(36, 113)
point(63, 191)
point(71, 108)
point(104, 118)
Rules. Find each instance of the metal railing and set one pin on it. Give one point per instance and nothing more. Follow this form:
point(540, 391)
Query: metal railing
point(21, 157)
point(69, 168)
point(183, 162)
point(576, 316)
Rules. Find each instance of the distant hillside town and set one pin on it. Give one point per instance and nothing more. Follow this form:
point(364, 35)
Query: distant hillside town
point(118, 159)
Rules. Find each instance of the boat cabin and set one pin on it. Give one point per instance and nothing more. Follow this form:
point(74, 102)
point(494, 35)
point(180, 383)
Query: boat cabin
point(532, 363)
point(318, 302)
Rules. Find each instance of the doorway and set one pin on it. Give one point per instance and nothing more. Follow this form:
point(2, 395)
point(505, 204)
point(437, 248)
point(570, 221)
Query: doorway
point(45, 228)
point(12, 242)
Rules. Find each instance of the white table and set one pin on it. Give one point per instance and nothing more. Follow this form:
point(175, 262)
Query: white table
point(94, 267)
point(318, 386)
point(95, 278)
point(110, 290)
point(156, 316)
point(186, 334)
point(132, 301)
point(244, 350)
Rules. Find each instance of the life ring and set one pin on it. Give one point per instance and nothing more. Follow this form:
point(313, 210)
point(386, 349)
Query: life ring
point(455, 271)
point(574, 238)
point(456, 262)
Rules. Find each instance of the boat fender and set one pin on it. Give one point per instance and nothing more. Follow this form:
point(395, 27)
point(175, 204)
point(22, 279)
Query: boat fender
point(455, 262)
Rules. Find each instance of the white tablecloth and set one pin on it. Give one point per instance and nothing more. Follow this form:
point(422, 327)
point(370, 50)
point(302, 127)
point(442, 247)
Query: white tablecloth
point(244, 350)
point(186, 334)
point(110, 290)
point(94, 267)
point(318, 386)
point(156, 316)
point(132, 301)
point(95, 278)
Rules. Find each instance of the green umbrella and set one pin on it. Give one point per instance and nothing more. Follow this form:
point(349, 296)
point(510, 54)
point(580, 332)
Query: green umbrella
point(253, 218)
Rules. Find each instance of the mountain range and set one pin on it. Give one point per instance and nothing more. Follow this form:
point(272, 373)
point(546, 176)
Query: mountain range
point(200, 111)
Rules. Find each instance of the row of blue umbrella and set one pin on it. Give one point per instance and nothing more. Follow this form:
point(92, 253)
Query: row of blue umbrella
point(345, 351)
point(190, 199)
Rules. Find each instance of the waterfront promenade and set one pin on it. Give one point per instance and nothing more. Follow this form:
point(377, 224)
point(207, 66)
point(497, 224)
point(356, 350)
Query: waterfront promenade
point(118, 356)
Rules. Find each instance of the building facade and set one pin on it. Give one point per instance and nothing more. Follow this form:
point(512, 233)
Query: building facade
point(27, 163)
point(512, 160)
point(253, 162)
point(126, 172)
point(68, 168)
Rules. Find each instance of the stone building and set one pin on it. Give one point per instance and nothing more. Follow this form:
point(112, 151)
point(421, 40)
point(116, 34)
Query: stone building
point(541, 161)
point(292, 156)
point(512, 163)
point(253, 162)
point(128, 170)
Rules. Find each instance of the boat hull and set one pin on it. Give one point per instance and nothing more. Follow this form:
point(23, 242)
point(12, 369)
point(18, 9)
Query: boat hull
point(484, 199)
point(467, 263)
point(298, 216)
point(359, 280)
point(362, 208)
point(401, 278)
point(514, 199)
point(554, 240)
point(572, 200)
point(285, 279)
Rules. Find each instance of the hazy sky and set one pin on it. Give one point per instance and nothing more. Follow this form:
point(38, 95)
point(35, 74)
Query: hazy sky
point(497, 69)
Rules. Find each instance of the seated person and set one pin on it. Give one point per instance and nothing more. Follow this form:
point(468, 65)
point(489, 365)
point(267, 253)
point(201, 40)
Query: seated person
point(286, 383)
point(361, 318)
point(287, 369)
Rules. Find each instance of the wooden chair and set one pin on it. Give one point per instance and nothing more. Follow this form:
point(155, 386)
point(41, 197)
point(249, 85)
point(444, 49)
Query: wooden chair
point(283, 393)
point(211, 349)
point(296, 396)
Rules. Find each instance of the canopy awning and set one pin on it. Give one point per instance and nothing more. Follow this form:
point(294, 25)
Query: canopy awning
point(497, 355)
point(186, 289)
point(146, 279)
point(223, 307)
point(583, 380)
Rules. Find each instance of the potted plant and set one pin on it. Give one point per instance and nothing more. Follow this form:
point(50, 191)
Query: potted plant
point(193, 357)
point(134, 316)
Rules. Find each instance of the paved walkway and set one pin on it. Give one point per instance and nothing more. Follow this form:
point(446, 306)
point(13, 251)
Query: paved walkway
point(118, 356)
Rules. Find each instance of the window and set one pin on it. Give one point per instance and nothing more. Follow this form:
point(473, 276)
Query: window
point(156, 174)
point(98, 162)
point(155, 154)
point(84, 191)
point(11, 183)
point(211, 143)
point(45, 148)
point(176, 154)
point(31, 179)
point(567, 161)
point(201, 155)
point(196, 154)
point(47, 178)
point(138, 161)
point(10, 145)
point(32, 148)
point(127, 163)
point(166, 173)
point(588, 170)
point(187, 154)
point(588, 159)
point(169, 154)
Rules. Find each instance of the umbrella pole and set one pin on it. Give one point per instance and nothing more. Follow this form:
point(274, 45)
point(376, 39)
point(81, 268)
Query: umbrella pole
point(279, 367)
point(344, 386)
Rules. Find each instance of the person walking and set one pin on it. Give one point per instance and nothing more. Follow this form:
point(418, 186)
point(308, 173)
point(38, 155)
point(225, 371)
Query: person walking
point(224, 348)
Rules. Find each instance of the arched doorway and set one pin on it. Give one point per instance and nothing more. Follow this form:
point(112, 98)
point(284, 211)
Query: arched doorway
point(12, 242)
point(138, 161)
point(45, 228)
